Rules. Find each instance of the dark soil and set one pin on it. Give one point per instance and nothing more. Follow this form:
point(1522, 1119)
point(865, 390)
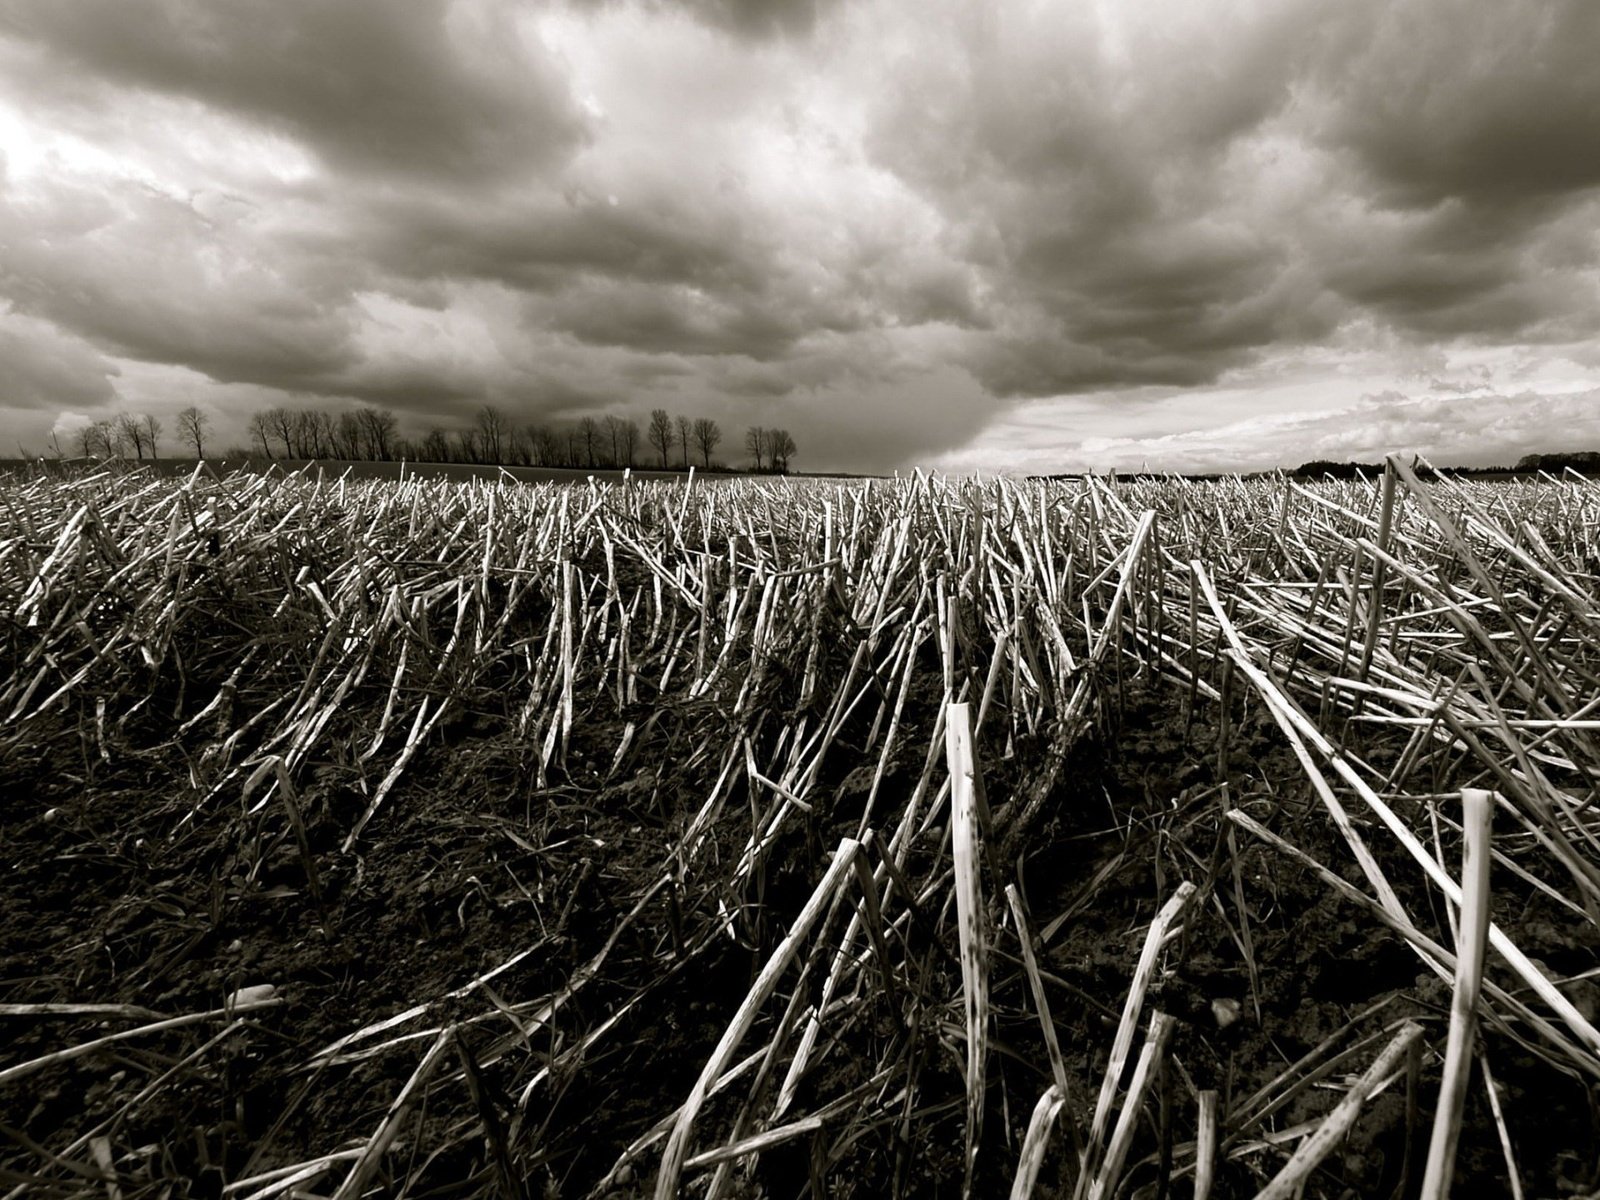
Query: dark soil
point(116, 890)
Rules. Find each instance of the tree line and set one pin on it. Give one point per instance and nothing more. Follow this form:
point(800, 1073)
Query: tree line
point(136, 435)
point(1584, 462)
point(369, 432)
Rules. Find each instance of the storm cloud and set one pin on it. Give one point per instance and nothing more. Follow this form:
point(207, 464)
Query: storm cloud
point(1011, 235)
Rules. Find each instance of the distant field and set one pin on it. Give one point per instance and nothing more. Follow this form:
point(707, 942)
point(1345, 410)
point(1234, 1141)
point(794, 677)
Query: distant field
point(365, 469)
point(408, 838)
point(457, 472)
point(460, 472)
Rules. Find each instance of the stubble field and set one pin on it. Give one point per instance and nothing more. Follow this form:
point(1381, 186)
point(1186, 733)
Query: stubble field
point(889, 838)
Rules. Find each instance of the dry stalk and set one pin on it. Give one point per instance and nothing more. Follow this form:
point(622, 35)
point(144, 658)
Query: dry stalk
point(1471, 941)
point(971, 918)
point(1337, 1124)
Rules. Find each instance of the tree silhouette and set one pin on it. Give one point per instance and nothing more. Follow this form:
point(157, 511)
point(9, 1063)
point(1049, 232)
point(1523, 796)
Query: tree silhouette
point(628, 428)
point(280, 425)
point(192, 427)
point(259, 434)
point(378, 430)
point(685, 432)
point(347, 436)
point(549, 444)
point(434, 447)
point(660, 433)
point(492, 433)
point(779, 447)
point(614, 435)
point(130, 431)
point(706, 436)
point(307, 426)
point(98, 439)
point(588, 437)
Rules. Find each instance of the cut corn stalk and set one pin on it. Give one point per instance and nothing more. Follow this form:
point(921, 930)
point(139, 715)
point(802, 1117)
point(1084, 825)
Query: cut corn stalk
point(971, 920)
point(1338, 1123)
point(652, 702)
point(1036, 1143)
point(1471, 940)
point(1143, 972)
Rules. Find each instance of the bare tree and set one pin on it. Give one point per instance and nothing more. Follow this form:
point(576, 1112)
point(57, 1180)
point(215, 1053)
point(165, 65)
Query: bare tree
point(660, 433)
point(538, 441)
point(433, 447)
point(113, 443)
point(779, 447)
point(492, 433)
point(280, 425)
point(589, 436)
point(539, 445)
point(551, 452)
point(152, 429)
point(628, 430)
point(327, 430)
point(755, 441)
point(614, 436)
point(130, 431)
point(316, 434)
point(707, 433)
point(192, 428)
point(303, 431)
point(468, 447)
point(685, 431)
point(379, 428)
point(347, 436)
point(260, 431)
point(91, 440)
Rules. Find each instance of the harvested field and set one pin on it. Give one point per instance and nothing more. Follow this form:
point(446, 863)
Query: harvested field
point(876, 839)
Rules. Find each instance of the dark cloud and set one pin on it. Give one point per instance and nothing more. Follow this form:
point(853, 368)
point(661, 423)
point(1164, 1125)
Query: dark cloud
point(1171, 303)
point(235, 305)
point(539, 243)
point(673, 321)
point(1461, 269)
point(412, 388)
point(145, 276)
point(758, 381)
point(1089, 192)
point(1471, 134)
point(1161, 205)
point(881, 226)
point(420, 88)
point(1487, 103)
point(754, 19)
point(40, 369)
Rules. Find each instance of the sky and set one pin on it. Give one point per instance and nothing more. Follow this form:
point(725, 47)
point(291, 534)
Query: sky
point(960, 234)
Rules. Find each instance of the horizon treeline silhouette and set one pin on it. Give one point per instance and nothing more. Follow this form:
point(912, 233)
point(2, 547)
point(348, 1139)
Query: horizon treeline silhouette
point(368, 432)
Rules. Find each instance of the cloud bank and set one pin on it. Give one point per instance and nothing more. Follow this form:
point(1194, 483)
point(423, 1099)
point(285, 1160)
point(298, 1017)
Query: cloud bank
point(1022, 235)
